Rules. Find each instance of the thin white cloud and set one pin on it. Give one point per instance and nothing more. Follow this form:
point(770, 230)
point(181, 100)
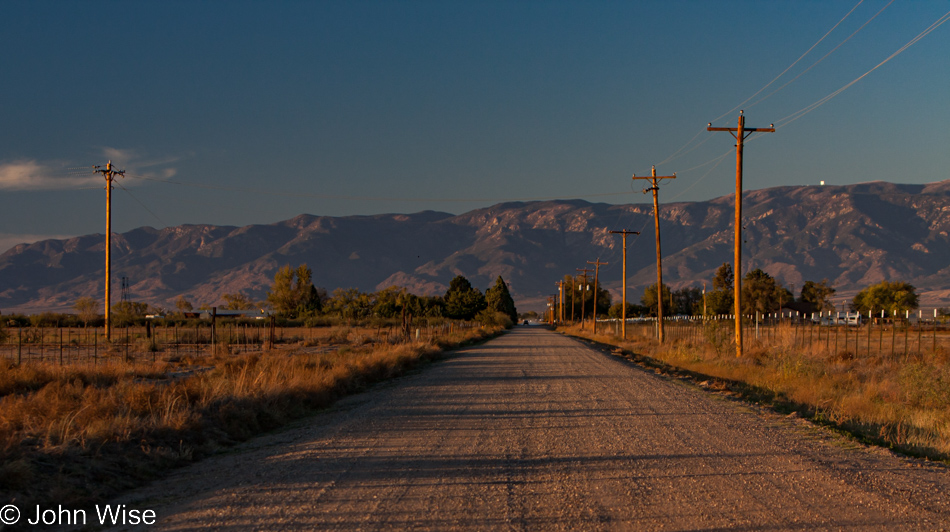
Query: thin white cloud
point(31, 175)
point(36, 175)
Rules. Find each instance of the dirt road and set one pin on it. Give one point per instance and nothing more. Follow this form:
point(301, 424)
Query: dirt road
point(536, 431)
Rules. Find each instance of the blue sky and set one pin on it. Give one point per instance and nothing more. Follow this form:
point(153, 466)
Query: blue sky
point(253, 112)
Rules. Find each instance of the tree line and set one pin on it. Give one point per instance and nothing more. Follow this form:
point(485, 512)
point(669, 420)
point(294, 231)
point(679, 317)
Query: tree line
point(293, 296)
point(760, 293)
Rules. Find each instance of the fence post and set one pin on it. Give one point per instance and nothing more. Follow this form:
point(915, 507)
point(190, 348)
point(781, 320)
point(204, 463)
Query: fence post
point(60, 346)
point(19, 345)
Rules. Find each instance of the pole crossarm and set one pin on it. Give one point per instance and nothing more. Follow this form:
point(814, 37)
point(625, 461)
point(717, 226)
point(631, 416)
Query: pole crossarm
point(739, 133)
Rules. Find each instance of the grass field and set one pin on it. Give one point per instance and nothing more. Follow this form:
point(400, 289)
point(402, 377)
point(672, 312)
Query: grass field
point(895, 394)
point(77, 433)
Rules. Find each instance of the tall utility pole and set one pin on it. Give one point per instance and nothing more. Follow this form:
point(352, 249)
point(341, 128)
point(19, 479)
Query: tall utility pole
point(584, 294)
point(109, 173)
point(704, 300)
point(597, 264)
point(560, 308)
point(656, 225)
point(623, 298)
point(573, 289)
point(740, 133)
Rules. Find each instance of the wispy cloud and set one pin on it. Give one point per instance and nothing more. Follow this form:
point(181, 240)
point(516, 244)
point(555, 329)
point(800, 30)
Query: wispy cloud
point(31, 175)
point(37, 175)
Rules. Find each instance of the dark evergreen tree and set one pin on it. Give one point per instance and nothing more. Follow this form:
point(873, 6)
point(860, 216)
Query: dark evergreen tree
point(499, 299)
point(462, 300)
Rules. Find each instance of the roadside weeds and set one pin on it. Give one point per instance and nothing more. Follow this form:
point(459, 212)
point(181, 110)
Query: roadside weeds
point(894, 404)
point(76, 435)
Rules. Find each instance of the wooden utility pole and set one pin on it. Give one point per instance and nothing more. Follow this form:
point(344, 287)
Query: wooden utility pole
point(623, 297)
point(659, 264)
point(560, 308)
point(740, 133)
point(583, 294)
point(573, 289)
point(597, 264)
point(704, 300)
point(109, 173)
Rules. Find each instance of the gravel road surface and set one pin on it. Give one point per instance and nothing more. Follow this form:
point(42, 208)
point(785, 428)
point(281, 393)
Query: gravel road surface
point(536, 431)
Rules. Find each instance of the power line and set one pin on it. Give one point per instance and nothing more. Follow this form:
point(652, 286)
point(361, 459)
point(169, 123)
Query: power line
point(767, 85)
point(807, 109)
point(680, 152)
point(822, 58)
point(143, 205)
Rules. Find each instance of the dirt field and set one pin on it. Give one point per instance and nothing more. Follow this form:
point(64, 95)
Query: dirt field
point(535, 431)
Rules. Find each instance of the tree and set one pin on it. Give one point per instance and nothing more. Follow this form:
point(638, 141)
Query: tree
point(462, 301)
point(88, 309)
point(499, 299)
point(818, 295)
point(350, 304)
point(632, 310)
point(687, 301)
point(724, 277)
point(760, 293)
point(238, 301)
point(650, 302)
point(584, 297)
point(127, 312)
point(888, 296)
point(183, 305)
point(293, 295)
point(720, 299)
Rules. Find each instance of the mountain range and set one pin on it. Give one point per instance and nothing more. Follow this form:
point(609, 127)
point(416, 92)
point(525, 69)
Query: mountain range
point(853, 235)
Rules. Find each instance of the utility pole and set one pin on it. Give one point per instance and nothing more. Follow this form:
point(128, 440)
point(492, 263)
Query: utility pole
point(109, 173)
point(584, 295)
point(704, 300)
point(573, 289)
point(656, 224)
point(560, 308)
point(597, 264)
point(740, 133)
point(623, 298)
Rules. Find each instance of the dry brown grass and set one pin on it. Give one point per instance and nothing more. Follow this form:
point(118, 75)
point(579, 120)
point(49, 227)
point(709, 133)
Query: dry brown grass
point(900, 402)
point(78, 433)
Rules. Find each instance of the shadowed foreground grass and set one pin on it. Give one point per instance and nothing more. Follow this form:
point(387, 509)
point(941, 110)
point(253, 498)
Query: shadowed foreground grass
point(76, 435)
point(900, 402)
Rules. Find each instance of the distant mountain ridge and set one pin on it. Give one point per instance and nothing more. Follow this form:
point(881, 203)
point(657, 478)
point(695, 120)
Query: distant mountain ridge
point(853, 235)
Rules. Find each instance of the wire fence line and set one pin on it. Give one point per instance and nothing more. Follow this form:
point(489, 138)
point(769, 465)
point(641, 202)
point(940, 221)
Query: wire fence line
point(172, 342)
point(879, 337)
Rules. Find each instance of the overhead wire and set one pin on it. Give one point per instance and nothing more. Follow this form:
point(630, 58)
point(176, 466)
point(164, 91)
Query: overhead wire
point(140, 203)
point(767, 85)
point(811, 107)
point(680, 152)
point(800, 74)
